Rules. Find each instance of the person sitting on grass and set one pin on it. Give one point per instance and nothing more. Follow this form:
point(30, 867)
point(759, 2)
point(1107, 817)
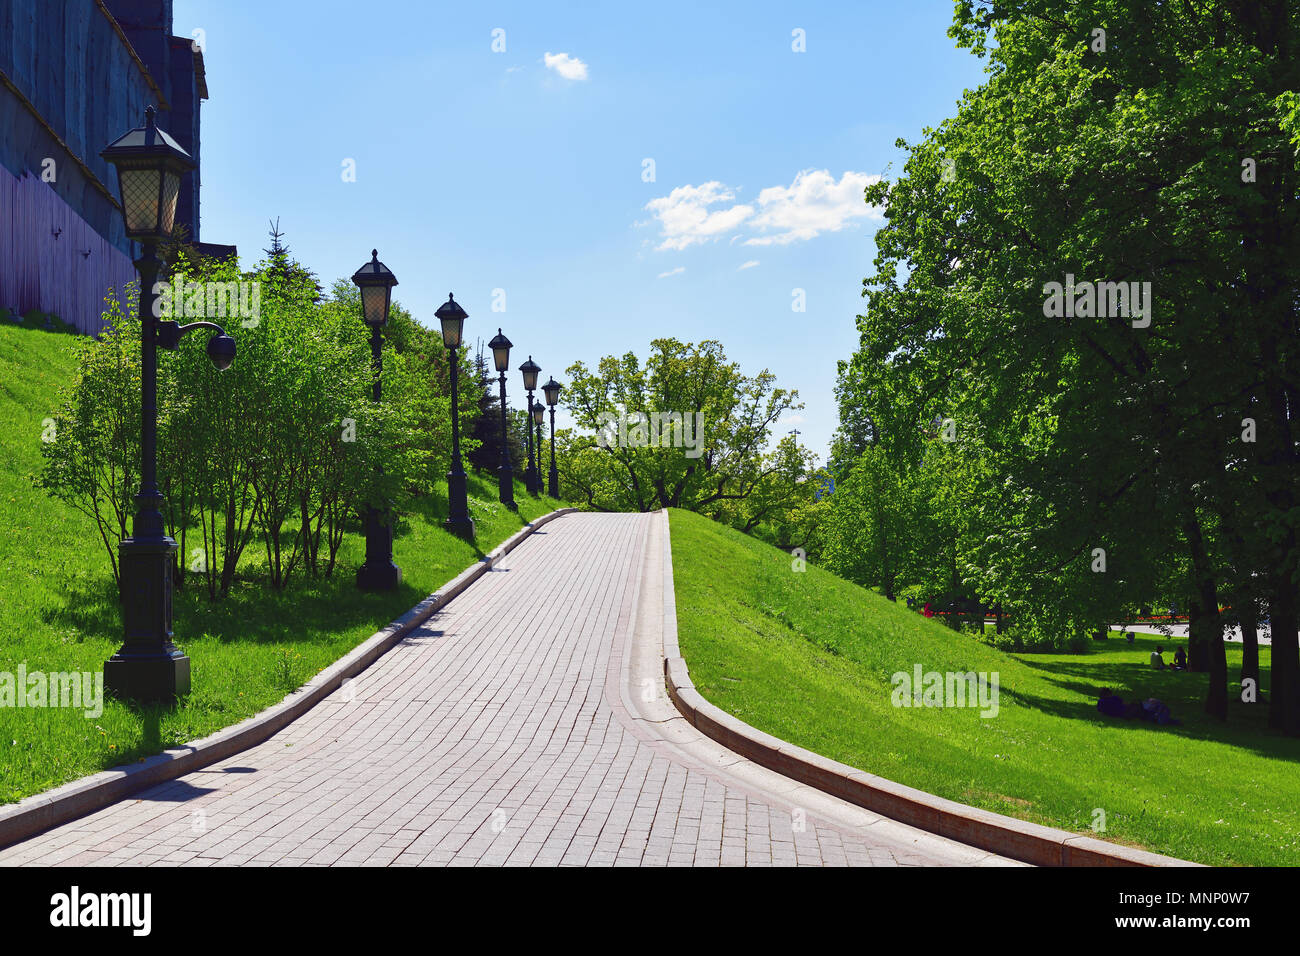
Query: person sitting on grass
point(1180, 660)
point(1157, 661)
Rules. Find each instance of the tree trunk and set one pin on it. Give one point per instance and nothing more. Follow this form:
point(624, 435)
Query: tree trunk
point(1283, 701)
point(1198, 642)
point(1216, 695)
point(1250, 644)
point(1205, 606)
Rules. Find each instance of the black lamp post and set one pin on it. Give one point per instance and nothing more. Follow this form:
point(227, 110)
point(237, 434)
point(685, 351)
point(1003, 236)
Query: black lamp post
point(148, 667)
point(452, 317)
point(500, 346)
point(530, 370)
point(539, 416)
point(552, 389)
point(376, 281)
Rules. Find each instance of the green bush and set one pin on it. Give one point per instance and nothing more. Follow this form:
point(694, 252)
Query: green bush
point(281, 452)
point(1028, 636)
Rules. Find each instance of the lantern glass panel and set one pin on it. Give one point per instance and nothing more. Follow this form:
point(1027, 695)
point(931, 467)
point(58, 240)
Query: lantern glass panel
point(374, 304)
point(139, 199)
point(171, 192)
point(451, 329)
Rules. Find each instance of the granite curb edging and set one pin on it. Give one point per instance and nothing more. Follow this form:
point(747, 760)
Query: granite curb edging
point(39, 812)
point(1003, 835)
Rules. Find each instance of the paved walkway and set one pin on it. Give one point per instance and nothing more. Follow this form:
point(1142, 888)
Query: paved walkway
point(1178, 632)
point(524, 724)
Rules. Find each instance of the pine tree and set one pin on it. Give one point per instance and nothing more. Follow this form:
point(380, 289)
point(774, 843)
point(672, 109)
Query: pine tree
point(487, 425)
point(284, 269)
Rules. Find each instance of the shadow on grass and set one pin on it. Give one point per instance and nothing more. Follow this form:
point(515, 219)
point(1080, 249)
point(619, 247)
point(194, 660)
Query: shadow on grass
point(315, 610)
point(1184, 692)
point(433, 509)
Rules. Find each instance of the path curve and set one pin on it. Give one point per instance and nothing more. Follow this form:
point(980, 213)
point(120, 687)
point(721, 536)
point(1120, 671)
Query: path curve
point(526, 723)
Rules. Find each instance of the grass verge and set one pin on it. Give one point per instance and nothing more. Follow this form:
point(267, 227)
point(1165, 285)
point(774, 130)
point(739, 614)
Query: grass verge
point(809, 658)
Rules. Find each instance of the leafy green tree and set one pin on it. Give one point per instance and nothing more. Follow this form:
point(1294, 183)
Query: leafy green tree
point(1109, 157)
point(285, 447)
point(93, 463)
point(417, 378)
point(871, 524)
point(685, 430)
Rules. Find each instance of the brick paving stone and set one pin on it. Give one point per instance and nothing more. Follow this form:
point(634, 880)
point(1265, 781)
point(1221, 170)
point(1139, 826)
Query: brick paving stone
point(498, 734)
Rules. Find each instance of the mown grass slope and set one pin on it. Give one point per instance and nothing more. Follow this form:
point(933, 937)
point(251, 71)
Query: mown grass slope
point(809, 657)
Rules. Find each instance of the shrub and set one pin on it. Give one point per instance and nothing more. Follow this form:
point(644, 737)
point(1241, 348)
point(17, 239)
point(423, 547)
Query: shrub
point(285, 448)
point(1029, 636)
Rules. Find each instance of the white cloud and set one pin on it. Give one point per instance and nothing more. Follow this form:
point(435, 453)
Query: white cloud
point(684, 217)
point(672, 272)
point(748, 265)
point(814, 203)
point(569, 67)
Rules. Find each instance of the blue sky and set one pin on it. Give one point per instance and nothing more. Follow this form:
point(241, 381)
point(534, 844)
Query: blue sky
point(524, 170)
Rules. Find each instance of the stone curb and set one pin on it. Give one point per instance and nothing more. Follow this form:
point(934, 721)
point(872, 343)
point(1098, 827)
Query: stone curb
point(1006, 836)
point(41, 811)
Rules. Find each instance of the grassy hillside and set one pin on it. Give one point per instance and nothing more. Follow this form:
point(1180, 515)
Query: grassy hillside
point(59, 610)
point(809, 657)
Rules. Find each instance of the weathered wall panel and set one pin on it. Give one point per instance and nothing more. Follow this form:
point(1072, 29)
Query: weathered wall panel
point(53, 260)
point(67, 60)
point(70, 83)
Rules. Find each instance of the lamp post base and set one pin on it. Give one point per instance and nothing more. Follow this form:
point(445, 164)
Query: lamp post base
point(458, 520)
point(147, 668)
point(554, 490)
point(378, 572)
point(506, 488)
point(379, 576)
point(156, 679)
point(460, 527)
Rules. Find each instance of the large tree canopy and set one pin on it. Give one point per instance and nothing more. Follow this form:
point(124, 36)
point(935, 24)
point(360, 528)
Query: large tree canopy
point(1149, 423)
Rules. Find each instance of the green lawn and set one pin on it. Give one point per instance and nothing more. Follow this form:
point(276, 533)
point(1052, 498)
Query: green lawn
point(809, 657)
point(59, 610)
